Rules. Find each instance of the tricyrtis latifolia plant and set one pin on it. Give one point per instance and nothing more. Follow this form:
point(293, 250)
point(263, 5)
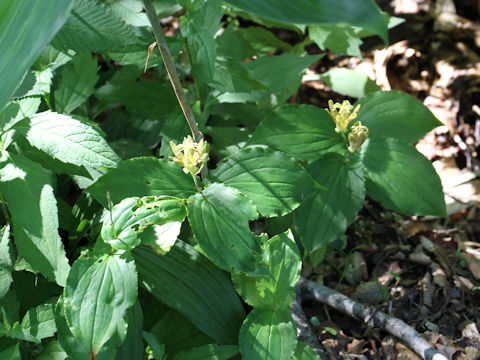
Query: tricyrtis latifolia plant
point(155, 246)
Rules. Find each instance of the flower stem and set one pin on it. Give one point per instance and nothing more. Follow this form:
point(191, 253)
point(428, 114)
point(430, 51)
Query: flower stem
point(172, 72)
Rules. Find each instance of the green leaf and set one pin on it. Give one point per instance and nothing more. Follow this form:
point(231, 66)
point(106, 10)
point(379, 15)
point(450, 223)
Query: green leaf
point(31, 202)
point(219, 219)
point(397, 115)
point(187, 282)
point(227, 139)
point(272, 180)
point(52, 351)
point(37, 324)
point(132, 347)
point(290, 67)
point(97, 294)
point(26, 26)
point(131, 11)
point(11, 353)
point(157, 348)
point(349, 82)
point(76, 85)
point(209, 352)
point(323, 215)
point(338, 38)
point(268, 334)
point(177, 333)
point(305, 352)
point(6, 261)
point(303, 131)
point(401, 178)
point(92, 26)
point(69, 141)
point(361, 13)
point(151, 99)
point(275, 290)
point(132, 216)
point(140, 177)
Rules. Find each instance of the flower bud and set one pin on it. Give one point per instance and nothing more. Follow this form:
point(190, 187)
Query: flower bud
point(342, 114)
point(357, 136)
point(191, 155)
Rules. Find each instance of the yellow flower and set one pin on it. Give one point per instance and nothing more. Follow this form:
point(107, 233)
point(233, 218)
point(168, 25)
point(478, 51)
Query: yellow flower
point(343, 114)
point(191, 155)
point(357, 136)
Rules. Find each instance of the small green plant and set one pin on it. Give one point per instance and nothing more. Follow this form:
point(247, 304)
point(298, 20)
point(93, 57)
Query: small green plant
point(156, 256)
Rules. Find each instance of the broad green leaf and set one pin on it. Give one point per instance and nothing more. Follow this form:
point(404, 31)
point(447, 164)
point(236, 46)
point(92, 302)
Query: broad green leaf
point(268, 334)
point(219, 219)
point(132, 216)
point(175, 129)
point(290, 67)
point(305, 352)
point(70, 141)
point(75, 346)
point(76, 85)
point(26, 26)
point(324, 215)
point(275, 290)
point(348, 82)
point(161, 238)
point(209, 352)
point(11, 353)
point(151, 99)
point(338, 38)
point(272, 180)
point(158, 349)
point(9, 310)
point(140, 177)
point(397, 115)
point(303, 131)
point(177, 333)
point(52, 351)
point(186, 281)
point(32, 205)
point(37, 324)
point(130, 11)
point(227, 139)
point(92, 26)
point(401, 178)
point(361, 13)
point(132, 347)
point(97, 294)
point(6, 261)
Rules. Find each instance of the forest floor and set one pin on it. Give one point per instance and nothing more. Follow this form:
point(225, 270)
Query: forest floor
point(425, 271)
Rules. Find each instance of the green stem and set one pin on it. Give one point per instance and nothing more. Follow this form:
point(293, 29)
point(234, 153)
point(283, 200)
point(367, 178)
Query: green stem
point(172, 72)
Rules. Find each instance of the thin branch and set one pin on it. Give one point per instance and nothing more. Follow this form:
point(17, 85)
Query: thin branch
point(307, 289)
point(304, 328)
point(172, 72)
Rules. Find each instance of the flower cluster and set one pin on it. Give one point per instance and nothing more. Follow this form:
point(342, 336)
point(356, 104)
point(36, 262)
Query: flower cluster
point(191, 155)
point(357, 136)
point(343, 114)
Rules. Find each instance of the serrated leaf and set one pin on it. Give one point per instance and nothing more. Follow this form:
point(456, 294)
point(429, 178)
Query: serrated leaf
point(76, 85)
point(324, 215)
point(140, 177)
point(6, 261)
point(37, 324)
point(397, 115)
point(208, 352)
point(219, 219)
point(131, 11)
point(362, 13)
point(268, 334)
point(272, 180)
point(32, 205)
point(186, 281)
point(97, 294)
point(349, 82)
point(70, 141)
point(52, 351)
point(303, 131)
point(401, 178)
point(26, 26)
point(92, 26)
point(132, 216)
